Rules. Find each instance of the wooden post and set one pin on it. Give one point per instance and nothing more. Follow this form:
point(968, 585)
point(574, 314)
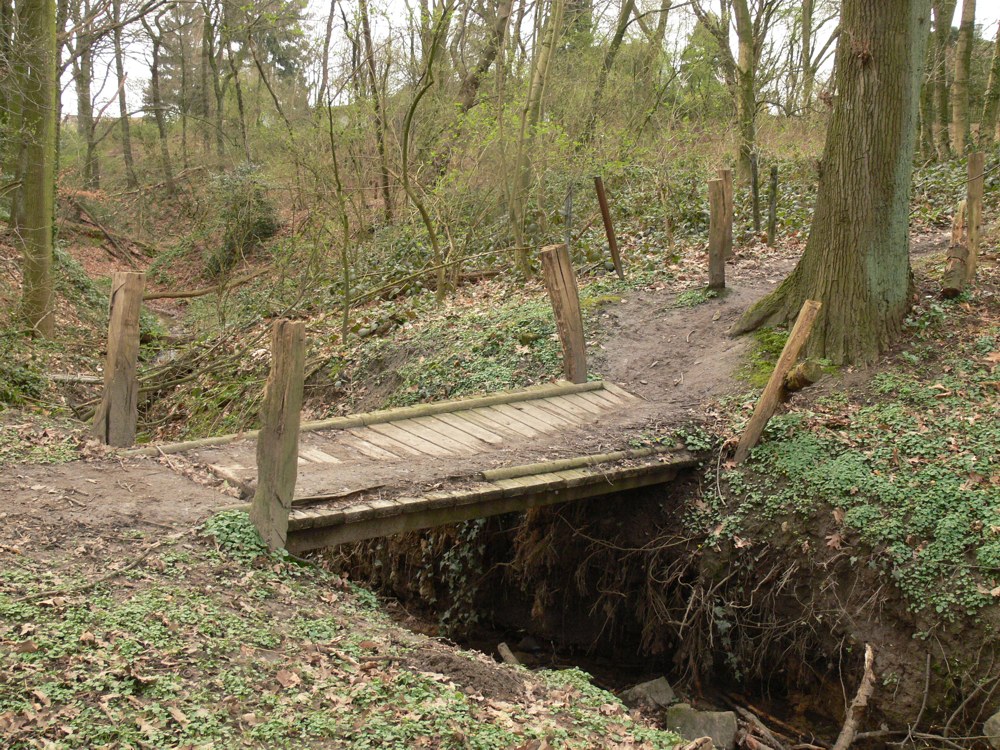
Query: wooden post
point(717, 234)
point(771, 396)
point(974, 208)
point(726, 175)
point(560, 282)
point(755, 191)
point(609, 228)
point(772, 209)
point(956, 272)
point(116, 417)
point(278, 439)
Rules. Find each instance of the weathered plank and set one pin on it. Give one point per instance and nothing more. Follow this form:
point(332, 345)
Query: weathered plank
point(523, 418)
point(464, 432)
point(118, 412)
point(385, 442)
point(494, 414)
point(560, 281)
point(426, 432)
point(409, 438)
point(771, 396)
point(458, 421)
point(367, 449)
point(278, 441)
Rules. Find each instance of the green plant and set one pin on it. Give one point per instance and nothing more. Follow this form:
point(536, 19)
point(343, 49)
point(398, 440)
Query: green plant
point(247, 215)
point(235, 535)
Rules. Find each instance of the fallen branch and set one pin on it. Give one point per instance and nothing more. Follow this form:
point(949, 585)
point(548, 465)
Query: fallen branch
point(59, 377)
point(860, 703)
point(190, 293)
point(120, 252)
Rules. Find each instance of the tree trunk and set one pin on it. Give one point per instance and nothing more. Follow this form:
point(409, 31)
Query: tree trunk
point(746, 85)
point(39, 87)
point(83, 73)
point(379, 102)
point(988, 123)
point(156, 37)
point(470, 83)
point(927, 109)
point(944, 11)
point(856, 260)
point(206, 54)
point(808, 71)
point(530, 116)
point(116, 37)
point(963, 65)
point(624, 16)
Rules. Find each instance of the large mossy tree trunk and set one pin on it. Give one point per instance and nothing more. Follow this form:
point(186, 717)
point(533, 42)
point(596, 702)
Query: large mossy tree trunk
point(856, 260)
point(38, 118)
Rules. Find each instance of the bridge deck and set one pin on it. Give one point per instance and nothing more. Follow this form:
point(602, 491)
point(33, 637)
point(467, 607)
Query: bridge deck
point(374, 474)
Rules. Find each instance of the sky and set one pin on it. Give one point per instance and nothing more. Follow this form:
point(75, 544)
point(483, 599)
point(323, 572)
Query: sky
point(137, 64)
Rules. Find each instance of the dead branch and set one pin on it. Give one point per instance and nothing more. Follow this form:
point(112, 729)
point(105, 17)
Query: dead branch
point(860, 703)
point(191, 293)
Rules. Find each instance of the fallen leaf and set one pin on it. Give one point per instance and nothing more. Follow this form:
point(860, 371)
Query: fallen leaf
point(179, 716)
point(835, 540)
point(26, 647)
point(288, 679)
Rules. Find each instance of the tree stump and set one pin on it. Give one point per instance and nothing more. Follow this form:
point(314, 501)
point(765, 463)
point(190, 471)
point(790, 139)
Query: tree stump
point(116, 417)
point(956, 272)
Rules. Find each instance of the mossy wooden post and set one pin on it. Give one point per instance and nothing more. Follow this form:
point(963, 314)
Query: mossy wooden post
point(560, 282)
point(118, 412)
point(956, 272)
point(726, 175)
point(609, 228)
point(771, 396)
point(772, 209)
point(974, 209)
point(755, 191)
point(717, 234)
point(278, 440)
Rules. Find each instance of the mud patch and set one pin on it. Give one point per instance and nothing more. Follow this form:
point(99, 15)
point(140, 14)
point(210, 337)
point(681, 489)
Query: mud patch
point(474, 675)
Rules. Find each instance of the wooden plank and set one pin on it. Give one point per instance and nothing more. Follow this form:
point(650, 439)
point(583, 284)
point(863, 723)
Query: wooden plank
point(410, 438)
point(717, 235)
point(278, 442)
point(619, 391)
point(466, 425)
point(599, 402)
point(524, 418)
point(317, 456)
point(369, 450)
point(117, 415)
point(615, 401)
point(560, 282)
point(515, 425)
point(572, 418)
point(418, 516)
point(771, 396)
point(424, 432)
point(367, 434)
point(584, 411)
point(554, 421)
point(461, 437)
point(487, 422)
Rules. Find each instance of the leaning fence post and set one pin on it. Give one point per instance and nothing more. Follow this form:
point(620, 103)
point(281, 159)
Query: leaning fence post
point(116, 417)
point(771, 396)
point(717, 234)
point(609, 228)
point(560, 281)
point(278, 440)
point(772, 209)
point(726, 175)
point(974, 207)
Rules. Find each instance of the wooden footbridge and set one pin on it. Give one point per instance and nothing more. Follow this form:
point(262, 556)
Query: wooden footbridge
point(370, 475)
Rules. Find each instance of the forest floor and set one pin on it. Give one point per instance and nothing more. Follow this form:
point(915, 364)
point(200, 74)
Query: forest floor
point(131, 614)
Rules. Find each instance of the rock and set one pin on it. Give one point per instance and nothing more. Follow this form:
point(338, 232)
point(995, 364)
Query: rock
point(692, 724)
point(992, 730)
point(653, 694)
